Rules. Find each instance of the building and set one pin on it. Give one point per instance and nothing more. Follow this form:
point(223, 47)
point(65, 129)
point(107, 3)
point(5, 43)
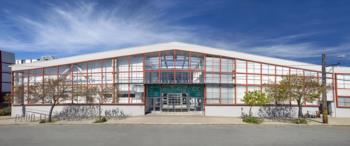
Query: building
point(172, 77)
point(24, 61)
point(42, 58)
point(7, 59)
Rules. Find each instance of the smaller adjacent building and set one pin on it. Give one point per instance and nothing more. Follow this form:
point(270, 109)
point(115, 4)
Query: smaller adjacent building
point(42, 58)
point(7, 59)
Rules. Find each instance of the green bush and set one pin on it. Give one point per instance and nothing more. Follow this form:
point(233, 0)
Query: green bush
point(252, 120)
point(300, 121)
point(102, 120)
point(5, 111)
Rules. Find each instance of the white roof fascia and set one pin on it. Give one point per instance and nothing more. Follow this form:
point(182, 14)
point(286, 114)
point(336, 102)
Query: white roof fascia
point(171, 46)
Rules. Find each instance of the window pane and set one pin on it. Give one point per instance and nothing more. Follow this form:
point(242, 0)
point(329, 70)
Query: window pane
point(123, 93)
point(197, 61)
point(182, 60)
point(151, 77)
point(212, 78)
point(152, 61)
point(167, 60)
point(212, 64)
point(226, 65)
point(213, 94)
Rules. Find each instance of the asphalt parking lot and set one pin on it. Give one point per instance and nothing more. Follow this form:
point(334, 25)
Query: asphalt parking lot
point(172, 135)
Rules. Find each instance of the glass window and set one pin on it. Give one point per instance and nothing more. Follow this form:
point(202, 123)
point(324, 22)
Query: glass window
point(18, 89)
point(107, 65)
point(226, 65)
point(136, 93)
point(213, 94)
point(343, 81)
point(152, 77)
point(65, 70)
point(253, 67)
point(152, 61)
point(344, 101)
point(279, 70)
point(81, 68)
point(167, 77)
point(136, 63)
point(123, 64)
point(95, 67)
point(227, 93)
point(212, 64)
point(241, 66)
point(196, 61)
point(285, 71)
point(182, 60)
point(197, 77)
point(167, 60)
point(226, 78)
point(254, 79)
point(241, 78)
point(212, 78)
point(123, 77)
point(137, 77)
point(123, 91)
point(107, 77)
point(182, 77)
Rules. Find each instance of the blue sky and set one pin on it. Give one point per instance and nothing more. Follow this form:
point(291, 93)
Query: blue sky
point(296, 30)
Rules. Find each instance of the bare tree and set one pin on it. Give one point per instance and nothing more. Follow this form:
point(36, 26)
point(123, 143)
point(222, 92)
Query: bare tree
point(56, 91)
point(18, 92)
point(90, 92)
point(37, 91)
point(102, 98)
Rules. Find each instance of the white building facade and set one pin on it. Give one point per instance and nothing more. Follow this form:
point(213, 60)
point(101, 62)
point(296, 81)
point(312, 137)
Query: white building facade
point(170, 77)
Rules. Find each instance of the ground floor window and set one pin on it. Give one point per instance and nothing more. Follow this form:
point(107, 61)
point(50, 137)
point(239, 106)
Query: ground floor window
point(344, 101)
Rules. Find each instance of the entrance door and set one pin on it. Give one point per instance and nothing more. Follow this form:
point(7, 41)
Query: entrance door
point(174, 102)
point(175, 98)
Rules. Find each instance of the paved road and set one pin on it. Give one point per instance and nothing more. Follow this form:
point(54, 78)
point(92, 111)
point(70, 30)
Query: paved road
point(172, 135)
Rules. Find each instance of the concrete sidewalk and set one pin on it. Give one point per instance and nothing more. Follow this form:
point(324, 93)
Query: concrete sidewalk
point(180, 120)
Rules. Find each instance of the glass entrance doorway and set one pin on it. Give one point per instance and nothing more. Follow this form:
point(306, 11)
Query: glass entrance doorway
point(173, 102)
point(174, 98)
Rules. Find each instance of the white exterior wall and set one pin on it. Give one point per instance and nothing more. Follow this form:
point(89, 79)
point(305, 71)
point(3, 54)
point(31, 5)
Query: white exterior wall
point(129, 110)
point(138, 110)
point(342, 113)
point(236, 111)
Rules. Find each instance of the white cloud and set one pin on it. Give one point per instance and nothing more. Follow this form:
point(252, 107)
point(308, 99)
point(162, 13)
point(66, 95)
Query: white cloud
point(84, 27)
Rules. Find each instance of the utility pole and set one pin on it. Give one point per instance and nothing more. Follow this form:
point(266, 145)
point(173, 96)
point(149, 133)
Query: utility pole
point(324, 91)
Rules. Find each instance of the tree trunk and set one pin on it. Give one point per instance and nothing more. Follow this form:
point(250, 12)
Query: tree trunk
point(300, 109)
point(99, 111)
point(250, 111)
point(23, 110)
point(51, 110)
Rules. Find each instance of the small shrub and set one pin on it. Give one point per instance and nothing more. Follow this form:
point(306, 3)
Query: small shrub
point(252, 120)
point(5, 111)
point(42, 121)
point(300, 121)
point(102, 120)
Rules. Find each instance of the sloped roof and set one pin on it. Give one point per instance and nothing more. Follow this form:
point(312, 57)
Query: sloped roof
point(171, 46)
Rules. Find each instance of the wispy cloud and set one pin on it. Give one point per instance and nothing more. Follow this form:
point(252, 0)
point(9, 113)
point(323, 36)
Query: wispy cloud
point(83, 27)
